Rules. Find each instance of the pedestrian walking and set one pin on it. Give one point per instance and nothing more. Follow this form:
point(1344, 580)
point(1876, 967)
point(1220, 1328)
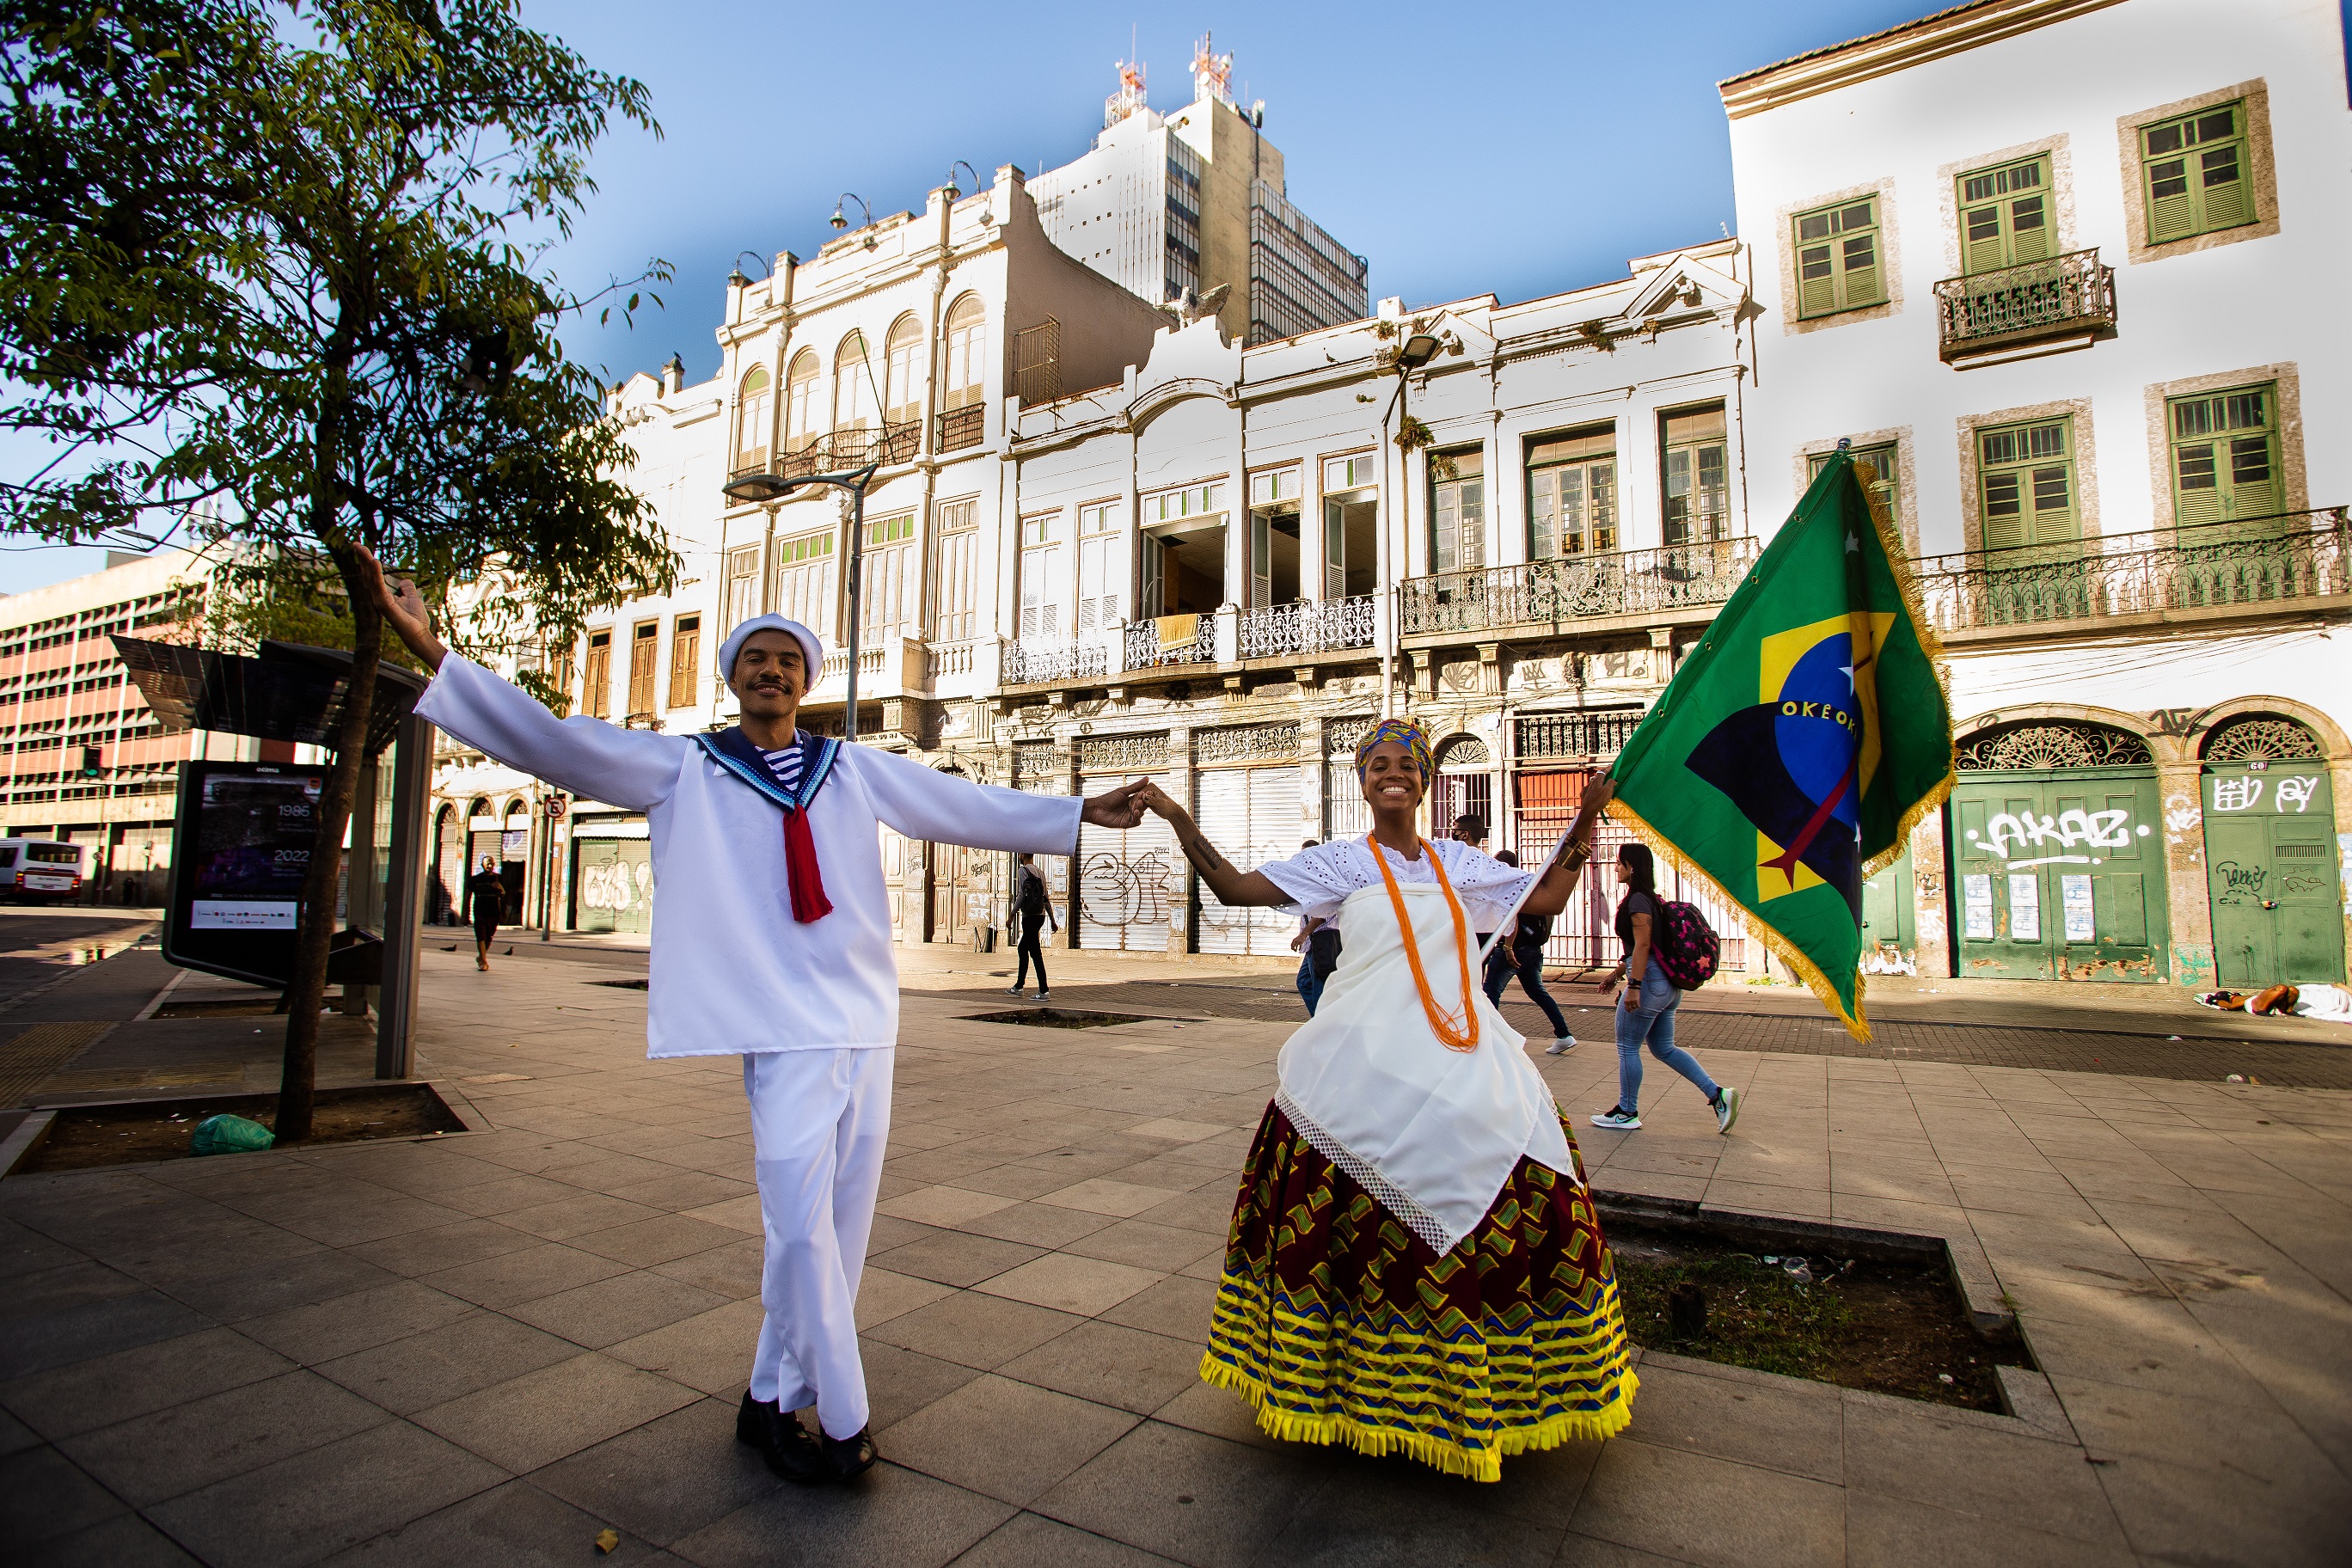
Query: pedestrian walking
point(1646, 1007)
point(773, 945)
point(486, 900)
point(1033, 909)
point(1523, 956)
point(1414, 1265)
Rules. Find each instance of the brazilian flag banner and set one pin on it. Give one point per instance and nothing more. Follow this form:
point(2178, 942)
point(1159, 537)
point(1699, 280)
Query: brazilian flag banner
point(1802, 739)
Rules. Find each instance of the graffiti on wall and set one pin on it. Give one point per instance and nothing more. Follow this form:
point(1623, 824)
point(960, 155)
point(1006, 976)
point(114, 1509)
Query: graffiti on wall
point(2074, 829)
point(1113, 891)
point(618, 885)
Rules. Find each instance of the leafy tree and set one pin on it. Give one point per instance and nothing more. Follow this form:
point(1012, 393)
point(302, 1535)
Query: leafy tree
point(346, 343)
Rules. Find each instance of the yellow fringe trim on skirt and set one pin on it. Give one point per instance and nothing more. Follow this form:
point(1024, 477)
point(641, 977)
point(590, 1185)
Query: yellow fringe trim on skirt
point(1451, 1459)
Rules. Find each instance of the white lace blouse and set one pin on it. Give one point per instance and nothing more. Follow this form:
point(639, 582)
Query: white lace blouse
point(1320, 879)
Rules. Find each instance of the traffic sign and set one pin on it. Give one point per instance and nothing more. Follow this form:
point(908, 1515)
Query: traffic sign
point(555, 806)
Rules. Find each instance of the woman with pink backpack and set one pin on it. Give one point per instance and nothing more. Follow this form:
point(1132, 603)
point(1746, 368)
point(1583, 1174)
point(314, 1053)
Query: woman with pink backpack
point(1645, 1009)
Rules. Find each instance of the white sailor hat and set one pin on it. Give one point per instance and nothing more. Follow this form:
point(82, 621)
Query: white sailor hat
point(811, 648)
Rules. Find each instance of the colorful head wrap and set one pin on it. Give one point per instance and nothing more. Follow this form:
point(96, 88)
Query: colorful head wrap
point(1403, 731)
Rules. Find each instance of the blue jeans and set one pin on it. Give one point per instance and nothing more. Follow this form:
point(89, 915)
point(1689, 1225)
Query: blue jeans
point(1310, 985)
point(1649, 1019)
point(1527, 962)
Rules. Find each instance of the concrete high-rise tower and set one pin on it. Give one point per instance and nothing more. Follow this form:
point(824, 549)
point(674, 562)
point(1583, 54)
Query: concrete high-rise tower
point(1189, 208)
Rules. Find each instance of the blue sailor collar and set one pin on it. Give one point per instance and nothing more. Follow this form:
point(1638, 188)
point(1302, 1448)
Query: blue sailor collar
point(733, 750)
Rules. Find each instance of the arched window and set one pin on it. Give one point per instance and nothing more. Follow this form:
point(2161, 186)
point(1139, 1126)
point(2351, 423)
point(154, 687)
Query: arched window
point(967, 340)
point(751, 427)
point(853, 386)
point(2263, 737)
point(799, 402)
point(902, 383)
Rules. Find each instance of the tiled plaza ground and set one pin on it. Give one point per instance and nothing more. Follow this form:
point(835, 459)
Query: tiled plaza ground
point(491, 1347)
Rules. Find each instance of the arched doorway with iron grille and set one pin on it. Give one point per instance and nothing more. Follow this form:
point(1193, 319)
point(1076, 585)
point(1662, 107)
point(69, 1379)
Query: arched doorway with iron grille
point(2271, 862)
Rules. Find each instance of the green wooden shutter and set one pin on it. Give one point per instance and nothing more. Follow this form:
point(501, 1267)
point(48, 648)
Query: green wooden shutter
point(2225, 457)
point(1837, 258)
point(2196, 174)
point(2221, 176)
point(2026, 479)
point(2005, 215)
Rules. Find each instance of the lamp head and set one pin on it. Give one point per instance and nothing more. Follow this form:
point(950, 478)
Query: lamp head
point(1418, 350)
point(839, 220)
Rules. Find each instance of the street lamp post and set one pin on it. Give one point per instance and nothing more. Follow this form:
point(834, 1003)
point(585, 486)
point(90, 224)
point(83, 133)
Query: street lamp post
point(1418, 350)
point(770, 488)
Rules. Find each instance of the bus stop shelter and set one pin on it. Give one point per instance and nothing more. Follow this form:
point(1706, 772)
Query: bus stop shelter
point(290, 692)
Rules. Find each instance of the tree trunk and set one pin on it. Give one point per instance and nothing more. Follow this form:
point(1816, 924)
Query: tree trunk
point(308, 993)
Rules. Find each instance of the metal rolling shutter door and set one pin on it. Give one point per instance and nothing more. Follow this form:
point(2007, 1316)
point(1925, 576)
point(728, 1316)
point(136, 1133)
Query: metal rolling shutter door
point(1221, 808)
point(1251, 814)
point(1126, 883)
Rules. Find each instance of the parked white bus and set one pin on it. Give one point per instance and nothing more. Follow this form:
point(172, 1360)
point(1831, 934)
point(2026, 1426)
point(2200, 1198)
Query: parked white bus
point(39, 870)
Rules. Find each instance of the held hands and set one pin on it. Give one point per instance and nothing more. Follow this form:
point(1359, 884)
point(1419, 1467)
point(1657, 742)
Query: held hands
point(1120, 808)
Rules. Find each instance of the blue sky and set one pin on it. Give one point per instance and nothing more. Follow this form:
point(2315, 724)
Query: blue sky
point(1517, 151)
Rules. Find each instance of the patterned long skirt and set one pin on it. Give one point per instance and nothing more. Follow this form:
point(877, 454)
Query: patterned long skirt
point(1339, 1325)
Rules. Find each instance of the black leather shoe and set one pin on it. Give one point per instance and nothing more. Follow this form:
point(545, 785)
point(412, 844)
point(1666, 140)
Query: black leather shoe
point(846, 1458)
point(787, 1446)
point(752, 1421)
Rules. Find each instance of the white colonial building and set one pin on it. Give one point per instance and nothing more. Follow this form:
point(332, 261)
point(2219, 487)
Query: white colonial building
point(2033, 258)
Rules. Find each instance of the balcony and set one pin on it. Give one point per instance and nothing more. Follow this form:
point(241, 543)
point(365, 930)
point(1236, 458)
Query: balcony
point(1643, 584)
point(2245, 569)
point(2035, 307)
point(962, 428)
point(846, 449)
point(1147, 649)
point(1307, 627)
point(1031, 661)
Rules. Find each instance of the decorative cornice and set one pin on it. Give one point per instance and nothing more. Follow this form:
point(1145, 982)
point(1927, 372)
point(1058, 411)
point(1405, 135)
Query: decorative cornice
point(1950, 32)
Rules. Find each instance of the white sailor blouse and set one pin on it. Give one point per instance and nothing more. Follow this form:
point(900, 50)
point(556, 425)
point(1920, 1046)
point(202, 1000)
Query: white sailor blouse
point(733, 970)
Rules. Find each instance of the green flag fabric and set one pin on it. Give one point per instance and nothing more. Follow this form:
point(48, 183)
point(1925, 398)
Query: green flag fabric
point(1803, 737)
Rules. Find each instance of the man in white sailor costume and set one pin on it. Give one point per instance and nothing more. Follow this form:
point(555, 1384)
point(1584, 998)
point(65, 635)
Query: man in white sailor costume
point(771, 940)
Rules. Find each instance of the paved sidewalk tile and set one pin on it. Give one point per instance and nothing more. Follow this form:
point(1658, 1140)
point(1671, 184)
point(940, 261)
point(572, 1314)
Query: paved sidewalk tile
point(485, 1349)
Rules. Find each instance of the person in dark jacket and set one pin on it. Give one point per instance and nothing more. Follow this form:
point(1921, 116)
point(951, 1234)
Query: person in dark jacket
point(1523, 955)
point(1033, 909)
point(486, 900)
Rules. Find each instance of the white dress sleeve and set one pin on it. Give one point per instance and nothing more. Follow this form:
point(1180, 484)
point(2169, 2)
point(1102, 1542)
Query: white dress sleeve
point(923, 802)
point(636, 769)
point(1319, 879)
point(1485, 886)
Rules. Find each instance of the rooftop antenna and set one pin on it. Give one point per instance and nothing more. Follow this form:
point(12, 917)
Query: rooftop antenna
point(1130, 98)
point(1213, 73)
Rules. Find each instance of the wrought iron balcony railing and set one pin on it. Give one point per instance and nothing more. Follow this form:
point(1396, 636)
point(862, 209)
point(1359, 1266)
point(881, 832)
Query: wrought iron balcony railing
point(1307, 627)
point(2248, 564)
point(1582, 587)
point(844, 449)
point(2058, 297)
point(1029, 661)
point(962, 428)
point(1144, 649)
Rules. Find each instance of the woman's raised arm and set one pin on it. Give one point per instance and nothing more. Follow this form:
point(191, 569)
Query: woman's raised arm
point(1235, 888)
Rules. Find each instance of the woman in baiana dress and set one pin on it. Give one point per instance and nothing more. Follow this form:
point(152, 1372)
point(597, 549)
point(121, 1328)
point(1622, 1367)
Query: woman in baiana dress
point(1415, 1264)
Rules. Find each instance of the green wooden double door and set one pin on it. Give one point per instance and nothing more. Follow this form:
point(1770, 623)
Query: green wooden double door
point(2059, 875)
point(2271, 868)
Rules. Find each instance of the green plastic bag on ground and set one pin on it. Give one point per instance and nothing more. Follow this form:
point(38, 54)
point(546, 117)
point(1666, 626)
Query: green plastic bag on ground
point(230, 1135)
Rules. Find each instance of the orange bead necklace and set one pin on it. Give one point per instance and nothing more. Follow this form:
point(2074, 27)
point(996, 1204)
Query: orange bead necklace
point(1454, 1035)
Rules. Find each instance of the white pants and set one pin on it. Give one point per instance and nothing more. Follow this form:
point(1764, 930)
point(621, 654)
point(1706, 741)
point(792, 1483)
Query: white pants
point(819, 1119)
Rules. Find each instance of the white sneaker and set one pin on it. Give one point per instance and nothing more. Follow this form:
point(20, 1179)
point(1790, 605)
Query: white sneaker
point(1616, 1116)
point(1564, 1044)
point(1045, 995)
point(1013, 991)
point(1726, 1109)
